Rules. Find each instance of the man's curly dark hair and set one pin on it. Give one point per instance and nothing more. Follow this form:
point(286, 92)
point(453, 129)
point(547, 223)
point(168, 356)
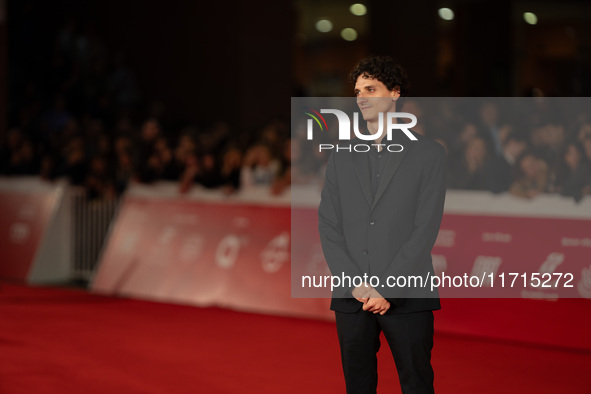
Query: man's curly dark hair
point(385, 70)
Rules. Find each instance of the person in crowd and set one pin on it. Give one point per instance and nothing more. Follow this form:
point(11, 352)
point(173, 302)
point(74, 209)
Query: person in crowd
point(75, 164)
point(283, 178)
point(574, 172)
point(457, 147)
point(532, 176)
point(209, 176)
point(122, 143)
point(230, 170)
point(123, 173)
point(306, 161)
point(186, 147)
point(191, 170)
point(259, 166)
point(547, 140)
point(273, 134)
point(502, 167)
point(151, 170)
point(587, 149)
point(473, 170)
point(99, 182)
point(443, 143)
point(215, 137)
point(124, 127)
point(14, 137)
point(10, 149)
point(201, 166)
point(55, 118)
point(149, 166)
point(584, 132)
point(48, 168)
point(70, 130)
point(168, 168)
point(413, 107)
point(22, 160)
point(491, 130)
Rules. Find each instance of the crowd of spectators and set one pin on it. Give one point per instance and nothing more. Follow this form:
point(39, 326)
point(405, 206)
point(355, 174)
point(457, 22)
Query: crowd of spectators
point(105, 163)
point(78, 113)
point(73, 117)
point(524, 147)
point(485, 154)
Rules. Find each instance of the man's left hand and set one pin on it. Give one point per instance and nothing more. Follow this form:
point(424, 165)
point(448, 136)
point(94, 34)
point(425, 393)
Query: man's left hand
point(377, 305)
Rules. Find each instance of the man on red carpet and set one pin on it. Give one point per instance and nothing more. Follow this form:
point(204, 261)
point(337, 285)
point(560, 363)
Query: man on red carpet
point(379, 217)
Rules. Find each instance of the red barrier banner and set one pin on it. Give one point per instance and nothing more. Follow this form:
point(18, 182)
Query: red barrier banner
point(518, 257)
point(474, 257)
point(24, 218)
point(204, 253)
point(236, 254)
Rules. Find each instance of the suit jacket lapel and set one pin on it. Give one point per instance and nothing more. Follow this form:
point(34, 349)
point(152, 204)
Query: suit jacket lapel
point(392, 164)
point(361, 162)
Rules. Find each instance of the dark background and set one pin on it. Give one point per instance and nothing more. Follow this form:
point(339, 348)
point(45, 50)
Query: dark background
point(241, 61)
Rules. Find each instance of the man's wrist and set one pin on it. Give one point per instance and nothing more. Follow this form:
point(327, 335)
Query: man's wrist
point(362, 291)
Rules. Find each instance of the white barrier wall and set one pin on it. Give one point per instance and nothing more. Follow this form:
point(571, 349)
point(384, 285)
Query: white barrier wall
point(36, 230)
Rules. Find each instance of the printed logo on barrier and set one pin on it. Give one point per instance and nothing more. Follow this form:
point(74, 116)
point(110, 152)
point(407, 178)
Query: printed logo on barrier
point(439, 264)
point(128, 242)
point(316, 264)
point(446, 238)
point(167, 234)
point(584, 285)
point(276, 253)
point(227, 251)
point(584, 242)
point(19, 232)
point(192, 248)
point(497, 237)
point(27, 212)
point(551, 263)
point(484, 266)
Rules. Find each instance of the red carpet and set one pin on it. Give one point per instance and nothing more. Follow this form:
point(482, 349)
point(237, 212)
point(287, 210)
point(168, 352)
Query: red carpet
point(69, 341)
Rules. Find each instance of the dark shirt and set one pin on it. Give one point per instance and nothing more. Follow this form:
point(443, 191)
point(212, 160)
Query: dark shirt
point(377, 165)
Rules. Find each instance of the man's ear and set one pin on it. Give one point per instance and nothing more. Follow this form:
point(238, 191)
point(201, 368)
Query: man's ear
point(395, 93)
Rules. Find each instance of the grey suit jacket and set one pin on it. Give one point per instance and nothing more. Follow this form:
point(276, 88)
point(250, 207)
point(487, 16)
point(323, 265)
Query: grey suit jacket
point(390, 235)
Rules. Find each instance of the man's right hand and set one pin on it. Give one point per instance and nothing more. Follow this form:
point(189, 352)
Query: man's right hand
point(372, 300)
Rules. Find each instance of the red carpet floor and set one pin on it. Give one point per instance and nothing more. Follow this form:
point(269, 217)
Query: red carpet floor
point(68, 341)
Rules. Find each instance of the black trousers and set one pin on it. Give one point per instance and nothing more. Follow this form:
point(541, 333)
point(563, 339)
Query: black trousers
point(410, 337)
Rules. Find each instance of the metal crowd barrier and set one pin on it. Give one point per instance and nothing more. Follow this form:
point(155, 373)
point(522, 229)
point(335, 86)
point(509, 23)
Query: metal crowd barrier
point(91, 220)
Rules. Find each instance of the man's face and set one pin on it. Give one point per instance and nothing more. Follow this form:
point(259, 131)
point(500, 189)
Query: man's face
point(373, 97)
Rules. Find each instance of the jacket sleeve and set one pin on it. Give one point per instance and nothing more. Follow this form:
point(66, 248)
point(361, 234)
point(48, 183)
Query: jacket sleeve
point(410, 259)
point(330, 228)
